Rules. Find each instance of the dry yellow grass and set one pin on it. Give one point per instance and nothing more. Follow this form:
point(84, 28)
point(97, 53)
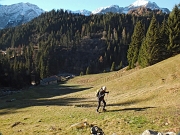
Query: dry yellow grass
point(139, 99)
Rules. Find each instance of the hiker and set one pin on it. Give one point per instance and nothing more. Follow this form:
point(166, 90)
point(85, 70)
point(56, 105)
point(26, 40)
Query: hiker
point(100, 96)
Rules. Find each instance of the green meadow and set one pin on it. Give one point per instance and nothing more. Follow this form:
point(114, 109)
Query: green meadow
point(138, 99)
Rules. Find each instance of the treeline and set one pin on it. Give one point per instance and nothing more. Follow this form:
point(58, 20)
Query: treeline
point(61, 41)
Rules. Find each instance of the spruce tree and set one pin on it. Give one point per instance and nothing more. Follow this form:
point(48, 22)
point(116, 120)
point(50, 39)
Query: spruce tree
point(136, 41)
point(143, 55)
point(163, 40)
point(88, 70)
point(113, 66)
point(124, 36)
point(150, 47)
point(174, 30)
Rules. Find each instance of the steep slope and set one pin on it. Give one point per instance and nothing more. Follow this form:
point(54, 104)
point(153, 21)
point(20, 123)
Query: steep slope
point(139, 99)
point(16, 14)
point(152, 93)
point(164, 74)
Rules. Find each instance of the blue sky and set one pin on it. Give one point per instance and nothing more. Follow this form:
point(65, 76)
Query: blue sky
point(85, 4)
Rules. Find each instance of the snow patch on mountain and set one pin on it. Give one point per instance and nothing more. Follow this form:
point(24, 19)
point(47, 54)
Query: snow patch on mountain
point(112, 8)
point(140, 3)
point(144, 3)
point(82, 12)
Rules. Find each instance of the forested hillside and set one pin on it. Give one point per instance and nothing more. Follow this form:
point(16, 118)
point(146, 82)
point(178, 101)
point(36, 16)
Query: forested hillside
point(59, 41)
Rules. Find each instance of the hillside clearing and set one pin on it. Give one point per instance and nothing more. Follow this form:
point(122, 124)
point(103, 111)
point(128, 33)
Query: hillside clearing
point(139, 99)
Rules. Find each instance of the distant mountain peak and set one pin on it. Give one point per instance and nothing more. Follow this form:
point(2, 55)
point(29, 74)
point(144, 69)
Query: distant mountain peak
point(112, 8)
point(144, 3)
point(137, 4)
point(16, 14)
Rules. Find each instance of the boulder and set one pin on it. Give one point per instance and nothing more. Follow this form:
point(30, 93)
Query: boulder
point(151, 132)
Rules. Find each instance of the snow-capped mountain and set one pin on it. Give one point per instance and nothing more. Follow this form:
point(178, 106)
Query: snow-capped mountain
point(116, 9)
point(144, 3)
point(16, 14)
point(113, 8)
point(135, 5)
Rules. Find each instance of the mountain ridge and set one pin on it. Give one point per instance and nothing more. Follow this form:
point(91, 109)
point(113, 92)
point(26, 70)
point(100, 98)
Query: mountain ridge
point(133, 6)
point(16, 14)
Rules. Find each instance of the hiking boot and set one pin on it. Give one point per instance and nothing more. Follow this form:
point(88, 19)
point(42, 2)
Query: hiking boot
point(97, 111)
point(104, 109)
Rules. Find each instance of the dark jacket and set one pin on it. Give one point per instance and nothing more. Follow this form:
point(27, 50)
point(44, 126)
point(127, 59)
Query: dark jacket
point(101, 94)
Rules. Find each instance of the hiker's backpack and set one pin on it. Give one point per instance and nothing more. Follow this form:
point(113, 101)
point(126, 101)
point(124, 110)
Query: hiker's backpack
point(97, 92)
point(95, 130)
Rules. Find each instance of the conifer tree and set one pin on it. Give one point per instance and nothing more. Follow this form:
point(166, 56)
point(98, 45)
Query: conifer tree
point(88, 70)
point(81, 73)
point(120, 65)
point(163, 40)
point(124, 36)
point(136, 41)
point(174, 30)
point(150, 47)
point(143, 54)
point(113, 66)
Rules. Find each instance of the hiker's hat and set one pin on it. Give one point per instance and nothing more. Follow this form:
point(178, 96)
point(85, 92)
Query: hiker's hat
point(104, 87)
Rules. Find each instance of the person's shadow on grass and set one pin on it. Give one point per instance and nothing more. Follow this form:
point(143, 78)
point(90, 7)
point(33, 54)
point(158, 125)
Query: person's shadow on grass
point(130, 109)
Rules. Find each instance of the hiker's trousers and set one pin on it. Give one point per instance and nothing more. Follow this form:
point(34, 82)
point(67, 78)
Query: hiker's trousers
point(99, 103)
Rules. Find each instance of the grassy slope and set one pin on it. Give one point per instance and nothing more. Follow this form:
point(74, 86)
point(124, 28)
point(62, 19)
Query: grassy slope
point(139, 99)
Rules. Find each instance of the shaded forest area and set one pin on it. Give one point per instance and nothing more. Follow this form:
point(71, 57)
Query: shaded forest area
point(59, 41)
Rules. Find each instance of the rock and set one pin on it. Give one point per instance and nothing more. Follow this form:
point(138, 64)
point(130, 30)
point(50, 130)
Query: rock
point(17, 123)
point(151, 132)
point(169, 133)
point(80, 125)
